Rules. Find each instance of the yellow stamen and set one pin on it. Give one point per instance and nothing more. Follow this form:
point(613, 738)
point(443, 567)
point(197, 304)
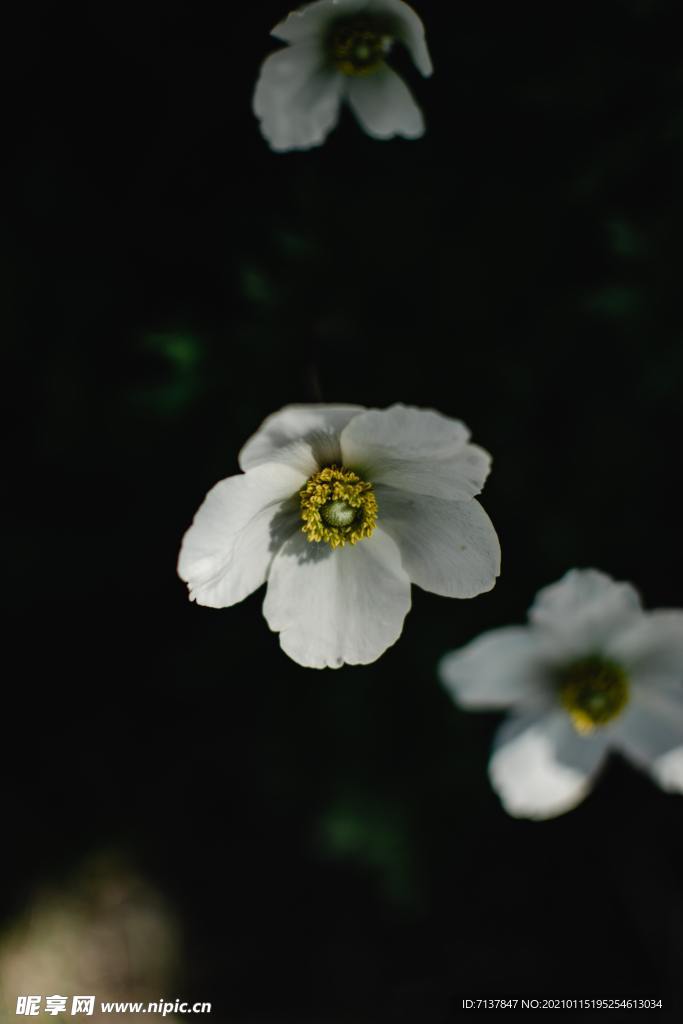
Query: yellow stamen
point(359, 47)
point(337, 507)
point(594, 691)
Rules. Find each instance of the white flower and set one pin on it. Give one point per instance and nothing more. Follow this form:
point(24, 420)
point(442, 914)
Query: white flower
point(339, 508)
point(591, 672)
point(337, 51)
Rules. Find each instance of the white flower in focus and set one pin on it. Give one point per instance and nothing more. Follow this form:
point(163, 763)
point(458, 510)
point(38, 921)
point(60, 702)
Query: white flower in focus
point(339, 509)
point(337, 51)
point(591, 672)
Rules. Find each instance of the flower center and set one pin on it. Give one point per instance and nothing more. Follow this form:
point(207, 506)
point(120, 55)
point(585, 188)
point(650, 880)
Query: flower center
point(358, 47)
point(594, 691)
point(337, 507)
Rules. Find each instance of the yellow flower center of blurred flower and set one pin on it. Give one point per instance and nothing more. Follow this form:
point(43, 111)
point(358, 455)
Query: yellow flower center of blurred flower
point(337, 507)
point(594, 691)
point(358, 47)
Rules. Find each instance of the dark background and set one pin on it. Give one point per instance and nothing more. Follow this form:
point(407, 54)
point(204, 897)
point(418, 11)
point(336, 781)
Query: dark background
point(329, 840)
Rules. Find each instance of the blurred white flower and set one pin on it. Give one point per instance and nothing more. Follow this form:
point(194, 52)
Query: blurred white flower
point(105, 932)
point(339, 508)
point(337, 50)
point(591, 672)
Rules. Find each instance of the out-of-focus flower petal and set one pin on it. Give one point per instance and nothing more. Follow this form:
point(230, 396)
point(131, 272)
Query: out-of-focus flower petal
point(651, 649)
point(651, 731)
point(612, 675)
point(313, 19)
point(582, 611)
point(668, 770)
point(297, 97)
point(541, 767)
point(300, 88)
point(336, 607)
point(500, 668)
point(384, 105)
point(412, 32)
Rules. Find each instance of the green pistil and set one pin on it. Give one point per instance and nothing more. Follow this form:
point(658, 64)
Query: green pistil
point(358, 47)
point(594, 691)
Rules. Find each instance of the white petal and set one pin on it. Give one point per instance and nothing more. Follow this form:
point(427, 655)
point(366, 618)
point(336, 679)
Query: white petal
point(313, 19)
point(242, 523)
point(447, 547)
point(498, 669)
point(541, 766)
point(416, 450)
point(332, 607)
point(412, 32)
point(650, 733)
point(651, 648)
point(297, 97)
point(582, 611)
point(668, 770)
point(296, 430)
point(384, 105)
